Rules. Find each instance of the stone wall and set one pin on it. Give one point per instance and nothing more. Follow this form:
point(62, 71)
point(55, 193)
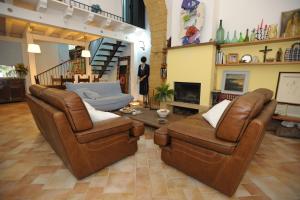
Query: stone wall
point(157, 16)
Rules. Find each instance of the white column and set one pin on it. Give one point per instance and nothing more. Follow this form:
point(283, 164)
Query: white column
point(31, 58)
point(87, 63)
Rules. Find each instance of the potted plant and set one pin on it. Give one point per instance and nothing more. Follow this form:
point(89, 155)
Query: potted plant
point(21, 70)
point(163, 93)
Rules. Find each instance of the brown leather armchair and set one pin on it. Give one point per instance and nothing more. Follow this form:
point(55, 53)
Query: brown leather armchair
point(83, 146)
point(218, 157)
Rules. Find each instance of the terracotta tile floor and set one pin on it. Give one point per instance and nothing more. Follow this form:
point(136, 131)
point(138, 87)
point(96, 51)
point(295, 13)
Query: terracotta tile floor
point(29, 169)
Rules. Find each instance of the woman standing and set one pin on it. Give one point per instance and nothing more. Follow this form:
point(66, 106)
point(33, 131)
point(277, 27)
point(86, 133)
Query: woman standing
point(143, 74)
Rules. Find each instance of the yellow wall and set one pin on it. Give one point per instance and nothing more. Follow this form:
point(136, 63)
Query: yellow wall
point(197, 64)
point(193, 64)
point(259, 75)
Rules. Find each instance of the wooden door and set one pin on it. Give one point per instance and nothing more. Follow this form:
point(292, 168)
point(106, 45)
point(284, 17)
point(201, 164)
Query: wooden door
point(123, 73)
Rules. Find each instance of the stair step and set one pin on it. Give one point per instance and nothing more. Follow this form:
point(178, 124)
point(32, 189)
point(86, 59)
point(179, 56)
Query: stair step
point(105, 60)
point(113, 44)
point(95, 65)
point(118, 51)
point(107, 55)
point(96, 70)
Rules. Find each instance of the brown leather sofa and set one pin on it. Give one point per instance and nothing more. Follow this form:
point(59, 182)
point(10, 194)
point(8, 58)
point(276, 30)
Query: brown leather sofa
point(218, 157)
point(83, 146)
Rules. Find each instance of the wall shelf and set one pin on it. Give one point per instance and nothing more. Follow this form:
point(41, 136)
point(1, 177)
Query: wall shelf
point(253, 64)
point(277, 40)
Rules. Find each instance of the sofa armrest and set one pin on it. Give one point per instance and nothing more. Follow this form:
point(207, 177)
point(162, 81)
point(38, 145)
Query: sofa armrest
point(105, 128)
point(161, 136)
point(137, 129)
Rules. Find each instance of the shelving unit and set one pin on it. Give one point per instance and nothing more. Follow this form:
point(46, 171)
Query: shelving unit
point(266, 63)
point(258, 42)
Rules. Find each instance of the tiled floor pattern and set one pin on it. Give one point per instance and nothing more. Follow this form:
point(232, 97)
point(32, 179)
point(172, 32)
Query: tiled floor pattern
point(29, 169)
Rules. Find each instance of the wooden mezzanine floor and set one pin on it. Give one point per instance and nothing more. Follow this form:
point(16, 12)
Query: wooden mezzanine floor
point(29, 169)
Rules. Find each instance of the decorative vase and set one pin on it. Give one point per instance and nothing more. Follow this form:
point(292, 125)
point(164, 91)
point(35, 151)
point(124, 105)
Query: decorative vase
point(241, 39)
point(234, 39)
point(220, 34)
point(163, 113)
point(227, 40)
point(247, 36)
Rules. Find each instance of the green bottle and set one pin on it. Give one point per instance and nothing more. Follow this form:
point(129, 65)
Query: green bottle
point(227, 40)
point(234, 39)
point(247, 36)
point(241, 39)
point(220, 34)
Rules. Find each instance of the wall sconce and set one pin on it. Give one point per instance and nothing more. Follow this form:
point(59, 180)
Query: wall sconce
point(85, 54)
point(34, 48)
point(142, 45)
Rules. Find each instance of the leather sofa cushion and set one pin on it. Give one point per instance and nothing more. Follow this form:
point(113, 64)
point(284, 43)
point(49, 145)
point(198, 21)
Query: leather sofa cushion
point(105, 128)
point(69, 103)
point(198, 132)
point(36, 90)
point(240, 112)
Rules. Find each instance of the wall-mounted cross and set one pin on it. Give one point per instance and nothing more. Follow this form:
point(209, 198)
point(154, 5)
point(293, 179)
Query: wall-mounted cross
point(265, 51)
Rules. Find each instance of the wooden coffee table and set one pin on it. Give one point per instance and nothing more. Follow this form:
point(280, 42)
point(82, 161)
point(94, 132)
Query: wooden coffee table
point(151, 118)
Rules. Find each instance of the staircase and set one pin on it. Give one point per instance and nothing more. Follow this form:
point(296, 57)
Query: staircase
point(105, 53)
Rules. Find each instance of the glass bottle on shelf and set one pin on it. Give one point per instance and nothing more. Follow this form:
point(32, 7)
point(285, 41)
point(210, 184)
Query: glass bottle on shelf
point(247, 36)
point(234, 39)
point(220, 34)
point(227, 40)
point(241, 39)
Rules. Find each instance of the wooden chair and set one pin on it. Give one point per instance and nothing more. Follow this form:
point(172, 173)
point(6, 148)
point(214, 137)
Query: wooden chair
point(56, 81)
point(83, 80)
point(67, 79)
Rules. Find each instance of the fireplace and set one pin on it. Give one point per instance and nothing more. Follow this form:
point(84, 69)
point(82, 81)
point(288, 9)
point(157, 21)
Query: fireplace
point(187, 92)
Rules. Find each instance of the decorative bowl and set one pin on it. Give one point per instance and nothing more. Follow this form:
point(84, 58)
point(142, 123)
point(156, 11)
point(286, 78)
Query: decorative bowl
point(163, 113)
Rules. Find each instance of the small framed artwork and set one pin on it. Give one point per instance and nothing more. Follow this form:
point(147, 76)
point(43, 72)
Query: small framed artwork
point(232, 58)
point(289, 25)
point(235, 82)
point(288, 88)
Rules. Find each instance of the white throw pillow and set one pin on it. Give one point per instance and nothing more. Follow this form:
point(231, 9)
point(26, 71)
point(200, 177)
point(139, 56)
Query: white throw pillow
point(214, 114)
point(97, 115)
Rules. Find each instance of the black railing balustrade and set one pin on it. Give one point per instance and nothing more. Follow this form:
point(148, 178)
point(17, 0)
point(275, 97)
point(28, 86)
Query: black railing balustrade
point(64, 70)
point(84, 6)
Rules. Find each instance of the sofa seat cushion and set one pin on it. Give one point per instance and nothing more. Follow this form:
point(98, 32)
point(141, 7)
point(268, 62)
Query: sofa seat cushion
point(105, 128)
point(111, 102)
point(198, 132)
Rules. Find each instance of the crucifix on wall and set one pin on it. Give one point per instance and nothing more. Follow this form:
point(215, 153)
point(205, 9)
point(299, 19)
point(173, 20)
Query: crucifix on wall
point(265, 51)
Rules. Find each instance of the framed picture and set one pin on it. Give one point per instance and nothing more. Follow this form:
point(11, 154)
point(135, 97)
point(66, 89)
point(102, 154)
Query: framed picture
point(288, 88)
point(290, 26)
point(235, 82)
point(232, 58)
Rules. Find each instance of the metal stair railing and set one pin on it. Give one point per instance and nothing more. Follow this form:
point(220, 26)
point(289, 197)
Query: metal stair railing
point(63, 69)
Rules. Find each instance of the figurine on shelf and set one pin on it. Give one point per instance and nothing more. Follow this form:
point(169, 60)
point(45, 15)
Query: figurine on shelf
point(279, 55)
point(273, 31)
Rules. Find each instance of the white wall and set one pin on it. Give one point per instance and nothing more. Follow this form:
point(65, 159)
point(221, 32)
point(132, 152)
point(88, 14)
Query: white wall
point(242, 14)
point(236, 14)
point(51, 54)
point(11, 53)
point(112, 6)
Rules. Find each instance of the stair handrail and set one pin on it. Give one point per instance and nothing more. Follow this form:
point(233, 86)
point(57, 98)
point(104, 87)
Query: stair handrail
point(54, 67)
point(96, 51)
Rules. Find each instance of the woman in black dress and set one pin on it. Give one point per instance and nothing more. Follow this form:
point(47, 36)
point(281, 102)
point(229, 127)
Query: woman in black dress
point(143, 74)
